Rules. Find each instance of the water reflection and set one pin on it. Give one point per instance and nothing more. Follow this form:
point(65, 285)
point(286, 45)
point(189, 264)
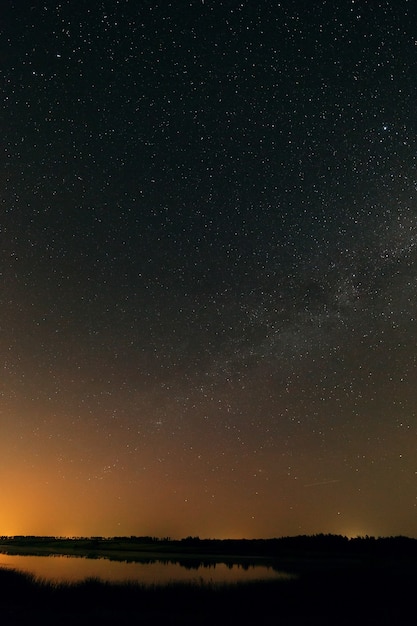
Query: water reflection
point(71, 569)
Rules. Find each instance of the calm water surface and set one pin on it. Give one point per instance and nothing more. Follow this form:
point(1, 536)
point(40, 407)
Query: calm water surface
point(72, 568)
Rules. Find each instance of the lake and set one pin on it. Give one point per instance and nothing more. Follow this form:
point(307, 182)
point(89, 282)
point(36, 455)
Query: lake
point(59, 568)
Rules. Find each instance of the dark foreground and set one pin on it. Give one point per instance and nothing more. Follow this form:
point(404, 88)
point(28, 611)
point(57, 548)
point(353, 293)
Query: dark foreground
point(337, 582)
point(356, 594)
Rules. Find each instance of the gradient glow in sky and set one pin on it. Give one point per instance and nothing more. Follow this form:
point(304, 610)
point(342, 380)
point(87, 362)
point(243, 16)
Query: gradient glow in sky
point(208, 268)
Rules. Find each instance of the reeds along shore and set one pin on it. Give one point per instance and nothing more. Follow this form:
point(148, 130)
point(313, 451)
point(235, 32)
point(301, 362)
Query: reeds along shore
point(369, 594)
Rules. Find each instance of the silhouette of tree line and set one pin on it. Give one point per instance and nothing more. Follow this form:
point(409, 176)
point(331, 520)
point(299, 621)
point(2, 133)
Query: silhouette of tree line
point(274, 547)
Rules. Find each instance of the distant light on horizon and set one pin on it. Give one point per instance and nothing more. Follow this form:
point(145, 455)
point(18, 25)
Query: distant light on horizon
point(208, 269)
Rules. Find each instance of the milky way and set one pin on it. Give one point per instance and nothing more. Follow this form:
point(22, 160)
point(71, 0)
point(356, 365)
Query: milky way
point(208, 268)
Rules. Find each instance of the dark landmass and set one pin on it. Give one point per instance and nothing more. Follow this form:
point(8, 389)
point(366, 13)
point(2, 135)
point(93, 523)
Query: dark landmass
point(362, 581)
point(300, 545)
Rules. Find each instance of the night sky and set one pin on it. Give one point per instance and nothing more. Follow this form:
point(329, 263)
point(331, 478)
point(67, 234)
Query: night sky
point(208, 267)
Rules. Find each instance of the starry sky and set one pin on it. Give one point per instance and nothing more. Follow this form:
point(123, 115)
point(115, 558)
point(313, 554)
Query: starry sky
point(208, 267)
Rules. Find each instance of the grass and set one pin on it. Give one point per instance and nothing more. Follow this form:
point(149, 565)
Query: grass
point(361, 595)
point(340, 582)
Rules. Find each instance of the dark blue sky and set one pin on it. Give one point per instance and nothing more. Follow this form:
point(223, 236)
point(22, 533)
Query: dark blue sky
point(208, 270)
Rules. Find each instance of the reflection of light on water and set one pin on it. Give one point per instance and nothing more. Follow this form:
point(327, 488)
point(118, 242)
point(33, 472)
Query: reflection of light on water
point(70, 568)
